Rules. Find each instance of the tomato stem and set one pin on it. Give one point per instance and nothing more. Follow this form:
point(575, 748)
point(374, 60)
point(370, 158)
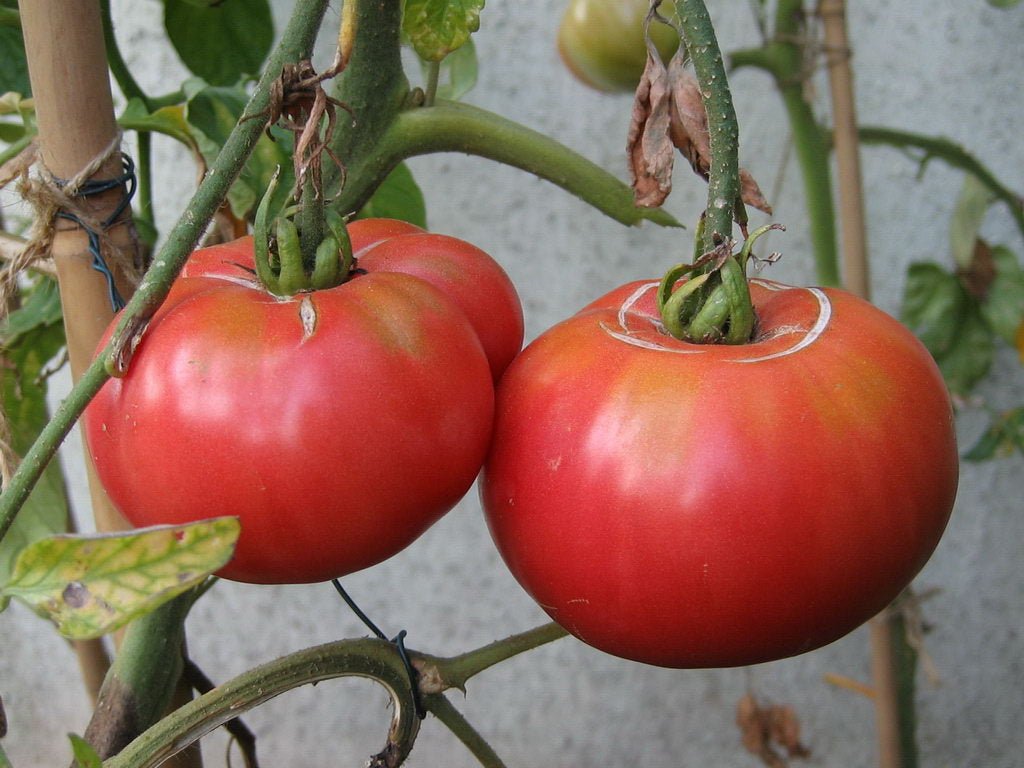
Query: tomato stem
point(698, 34)
point(720, 309)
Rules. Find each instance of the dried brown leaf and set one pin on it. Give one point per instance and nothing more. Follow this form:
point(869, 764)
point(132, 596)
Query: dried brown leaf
point(689, 131)
point(785, 730)
point(750, 193)
point(648, 145)
point(764, 728)
point(689, 120)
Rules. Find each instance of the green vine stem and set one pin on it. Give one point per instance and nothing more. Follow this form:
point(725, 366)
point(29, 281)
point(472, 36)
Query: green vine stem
point(373, 85)
point(782, 57)
point(723, 129)
point(950, 153)
point(445, 711)
point(455, 127)
point(440, 674)
point(372, 658)
point(375, 659)
point(138, 687)
point(297, 38)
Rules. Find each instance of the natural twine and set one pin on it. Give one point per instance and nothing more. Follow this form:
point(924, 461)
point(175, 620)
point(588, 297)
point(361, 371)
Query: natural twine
point(49, 196)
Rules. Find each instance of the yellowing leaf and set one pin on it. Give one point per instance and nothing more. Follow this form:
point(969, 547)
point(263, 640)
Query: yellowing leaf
point(91, 585)
point(437, 27)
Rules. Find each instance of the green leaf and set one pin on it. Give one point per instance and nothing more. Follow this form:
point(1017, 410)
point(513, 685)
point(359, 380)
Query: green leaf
point(83, 752)
point(169, 121)
point(212, 112)
point(398, 197)
point(31, 337)
point(41, 308)
point(13, 103)
point(969, 359)
point(91, 585)
point(1003, 306)
point(14, 72)
point(934, 306)
point(949, 322)
point(971, 207)
point(1003, 3)
point(458, 72)
point(221, 42)
point(435, 28)
point(1004, 436)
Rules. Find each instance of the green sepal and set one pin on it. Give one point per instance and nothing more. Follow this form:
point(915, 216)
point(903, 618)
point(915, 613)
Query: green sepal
point(741, 310)
point(261, 237)
point(674, 308)
point(292, 276)
point(706, 327)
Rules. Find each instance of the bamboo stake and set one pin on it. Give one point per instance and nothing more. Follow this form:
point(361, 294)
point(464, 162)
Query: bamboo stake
point(883, 673)
point(75, 114)
point(75, 117)
point(856, 278)
point(853, 231)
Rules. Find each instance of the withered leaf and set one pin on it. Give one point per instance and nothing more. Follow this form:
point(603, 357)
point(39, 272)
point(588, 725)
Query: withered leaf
point(648, 145)
point(764, 728)
point(688, 129)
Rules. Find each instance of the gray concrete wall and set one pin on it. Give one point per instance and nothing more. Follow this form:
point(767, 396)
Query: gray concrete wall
point(938, 66)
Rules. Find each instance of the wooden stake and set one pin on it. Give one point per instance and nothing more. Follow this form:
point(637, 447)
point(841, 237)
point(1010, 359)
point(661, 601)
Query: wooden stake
point(75, 115)
point(853, 232)
point(856, 278)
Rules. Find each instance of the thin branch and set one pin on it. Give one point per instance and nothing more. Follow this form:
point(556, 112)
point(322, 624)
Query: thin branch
point(445, 711)
point(239, 731)
point(375, 659)
point(953, 155)
point(439, 674)
point(455, 127)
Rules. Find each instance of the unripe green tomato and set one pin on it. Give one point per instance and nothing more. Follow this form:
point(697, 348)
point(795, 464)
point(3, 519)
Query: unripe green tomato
point(602, 41)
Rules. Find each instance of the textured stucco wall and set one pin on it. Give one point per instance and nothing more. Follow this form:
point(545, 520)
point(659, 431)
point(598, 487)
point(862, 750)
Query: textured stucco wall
point(941, 67)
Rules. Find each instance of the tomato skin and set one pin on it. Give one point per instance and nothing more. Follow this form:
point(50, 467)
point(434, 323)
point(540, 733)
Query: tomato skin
point(335, 444)
point(691, 506)
point(602, 42)
point(463, 272)
point(365, 233)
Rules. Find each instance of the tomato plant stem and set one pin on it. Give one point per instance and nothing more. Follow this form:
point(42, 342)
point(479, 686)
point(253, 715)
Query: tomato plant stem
point(455, 671)
point(373, 86)
point(371, 658)
point(138, 688)
point(439, 705)
point(723, 179)
point(454, 127)
point(783, 59)
point(950, 153)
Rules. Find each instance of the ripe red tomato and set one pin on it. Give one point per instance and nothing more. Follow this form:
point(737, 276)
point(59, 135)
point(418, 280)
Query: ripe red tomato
point(602, 41)
point(337, 425)
point(463, 272)
point(706, 506)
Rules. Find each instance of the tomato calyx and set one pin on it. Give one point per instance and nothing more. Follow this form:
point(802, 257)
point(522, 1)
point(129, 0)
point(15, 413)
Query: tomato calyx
point(300, 249)
point(708, 301)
